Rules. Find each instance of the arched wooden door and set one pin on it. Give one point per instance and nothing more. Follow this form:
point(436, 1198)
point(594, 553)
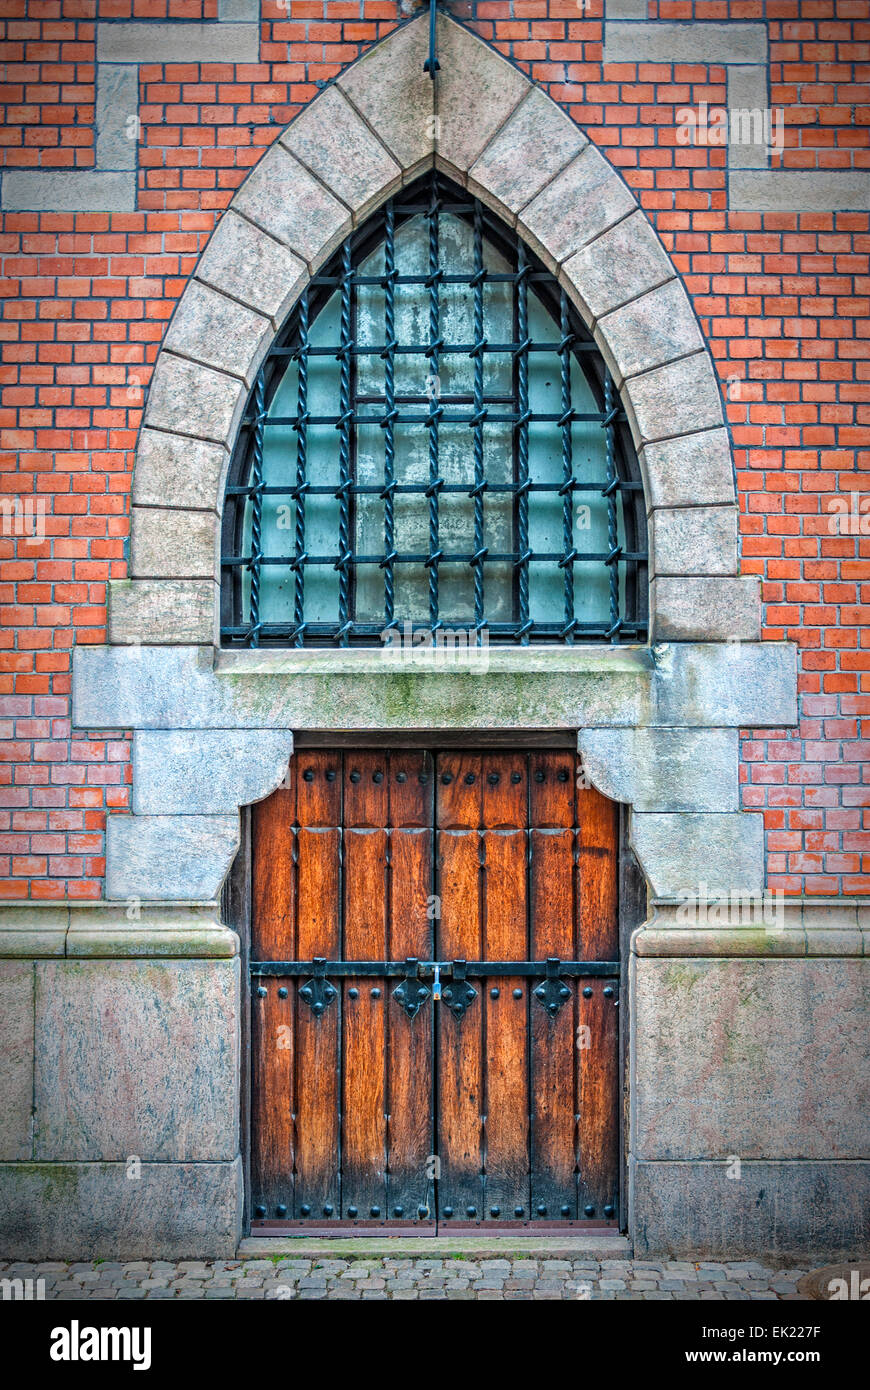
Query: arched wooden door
point(435, 988)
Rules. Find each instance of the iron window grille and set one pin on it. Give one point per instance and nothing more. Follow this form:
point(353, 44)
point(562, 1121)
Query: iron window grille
point(283, 586)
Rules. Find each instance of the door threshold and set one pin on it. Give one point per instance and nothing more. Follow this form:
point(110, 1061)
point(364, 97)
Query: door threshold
point(601, 1245)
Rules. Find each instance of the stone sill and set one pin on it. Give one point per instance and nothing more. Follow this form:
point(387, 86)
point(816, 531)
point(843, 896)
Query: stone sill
point(102, 930)
point(801, 927)
point(592, 659)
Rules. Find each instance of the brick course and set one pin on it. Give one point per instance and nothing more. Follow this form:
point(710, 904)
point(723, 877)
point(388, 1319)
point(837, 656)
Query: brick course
point(783, 299)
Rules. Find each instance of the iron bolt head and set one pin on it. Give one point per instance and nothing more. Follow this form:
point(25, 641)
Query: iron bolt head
point(353, 994)
point(261, 991)
point(355, 776)
point(565, 1211)
point(352, 1212)
point(375, 1211)
point(516, 777)
point(518, 1211)
point(587, 993)
point(495, 1211)
point(518, 994)
point(281, 1210)
point(609, 1210)
point(401, 776)
point(377, 777)
point(448, 1212)
point(330, 776)
point(471, 1211)
point(259, 1212)
point(447, 778)
point(493, 994)
point(589, 1211)
point(305, 1210)
point(608, 993)
point(469, 779)
point(398, 1211)
point(328, 1210)
point(376, 994)
point(282, 992)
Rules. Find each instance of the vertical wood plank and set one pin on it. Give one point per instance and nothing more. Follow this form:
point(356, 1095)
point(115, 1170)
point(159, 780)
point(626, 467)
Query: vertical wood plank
point(598, 875)
point(364, 1125)
point(411, 1041)
point(506, 1102)
point(318, 1055)
point(598, 1055)
point(553, 1055)
point(459, 936)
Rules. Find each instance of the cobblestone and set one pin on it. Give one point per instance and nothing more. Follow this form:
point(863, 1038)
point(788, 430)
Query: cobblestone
point(408, 1279)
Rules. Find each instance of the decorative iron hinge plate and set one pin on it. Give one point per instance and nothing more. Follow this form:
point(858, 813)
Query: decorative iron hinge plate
point(458, 995)
point(552, 992)
point(411, 993)
point(317, 992)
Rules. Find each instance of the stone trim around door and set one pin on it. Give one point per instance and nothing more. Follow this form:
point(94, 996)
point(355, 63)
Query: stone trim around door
point(212, 730)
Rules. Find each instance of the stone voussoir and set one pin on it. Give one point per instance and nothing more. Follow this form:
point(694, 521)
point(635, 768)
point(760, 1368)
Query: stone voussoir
point(243, 261)
point(580, 203)
point(285, 200)
point(626, 261)
point(656, 328)
point(219, 332)
point(332, 140)
point(189, 398)
point(175, 470)
point(168, 543)
point(477, 90)
point(693, 541)
point(533, 146)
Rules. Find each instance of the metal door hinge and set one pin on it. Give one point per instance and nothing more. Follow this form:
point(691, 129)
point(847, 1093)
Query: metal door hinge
point(317, 992)
point(553, 992)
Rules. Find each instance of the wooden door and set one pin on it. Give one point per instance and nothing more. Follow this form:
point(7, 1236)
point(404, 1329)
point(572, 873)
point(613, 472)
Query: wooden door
point(434, 993)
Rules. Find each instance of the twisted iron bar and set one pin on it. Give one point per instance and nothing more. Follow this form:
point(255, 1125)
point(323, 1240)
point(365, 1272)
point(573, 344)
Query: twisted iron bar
point(477, 559)
point(343, 424)
point(257, 509)
point(388, 423)
point(567, 488)
point(522, 426)
point(610, 492)
point(435, 409)
point(301, 472)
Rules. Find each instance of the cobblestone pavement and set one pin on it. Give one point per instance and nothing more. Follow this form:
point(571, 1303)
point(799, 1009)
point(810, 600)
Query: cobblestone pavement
point(396, 1278)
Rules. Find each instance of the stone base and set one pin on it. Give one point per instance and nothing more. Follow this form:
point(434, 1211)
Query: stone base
point(799, 1213)
point(85, 1211)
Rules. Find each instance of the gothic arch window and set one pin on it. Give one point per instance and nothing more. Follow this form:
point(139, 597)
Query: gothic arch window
point(433, 442)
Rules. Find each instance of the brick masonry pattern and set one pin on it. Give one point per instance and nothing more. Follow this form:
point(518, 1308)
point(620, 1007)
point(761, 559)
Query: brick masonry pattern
point(783, 299)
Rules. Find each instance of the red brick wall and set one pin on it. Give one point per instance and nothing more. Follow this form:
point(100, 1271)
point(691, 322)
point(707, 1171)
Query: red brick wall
point(784, 300)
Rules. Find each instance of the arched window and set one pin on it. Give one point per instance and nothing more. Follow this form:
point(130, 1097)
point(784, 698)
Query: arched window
point(433, 443)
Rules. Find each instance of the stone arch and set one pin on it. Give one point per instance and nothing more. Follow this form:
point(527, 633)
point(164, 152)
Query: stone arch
point(489, 127)
point(212, 730)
